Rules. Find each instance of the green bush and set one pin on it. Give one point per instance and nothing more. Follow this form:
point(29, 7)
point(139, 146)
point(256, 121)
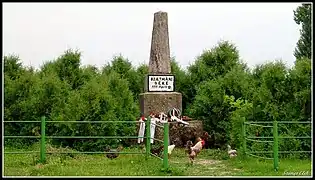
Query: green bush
point(218, 88)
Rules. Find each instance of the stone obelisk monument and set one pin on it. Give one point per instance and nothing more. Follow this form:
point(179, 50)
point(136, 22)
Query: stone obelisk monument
point(159, 95)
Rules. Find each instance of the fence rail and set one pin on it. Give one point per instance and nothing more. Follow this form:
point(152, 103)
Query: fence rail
point(275, 140)
point(80, 137)
point(43, 138)
point(266, 152)
point(279, 122)
point(259, 125)
point(259, 156)
point(72, 121)
point(156, 156)
point(281, 137)
point(22, 152)
point(157, 140)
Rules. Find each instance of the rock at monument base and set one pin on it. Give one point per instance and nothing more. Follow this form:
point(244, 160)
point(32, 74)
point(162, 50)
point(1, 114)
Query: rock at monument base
point(157, 102)
point(180, 134)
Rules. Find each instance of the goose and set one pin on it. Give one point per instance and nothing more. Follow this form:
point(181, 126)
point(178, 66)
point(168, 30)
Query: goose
point(231, 152)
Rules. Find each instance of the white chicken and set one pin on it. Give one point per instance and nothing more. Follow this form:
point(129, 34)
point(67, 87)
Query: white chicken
point(231, 152)
point(170, 149)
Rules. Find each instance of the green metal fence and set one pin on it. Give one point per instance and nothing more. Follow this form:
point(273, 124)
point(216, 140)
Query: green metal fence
point(275, 139)
point(43, 138)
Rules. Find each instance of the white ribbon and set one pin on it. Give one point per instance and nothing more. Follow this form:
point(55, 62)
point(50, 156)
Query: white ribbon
point(152, 128)
point(174, 118)
point(141, 130)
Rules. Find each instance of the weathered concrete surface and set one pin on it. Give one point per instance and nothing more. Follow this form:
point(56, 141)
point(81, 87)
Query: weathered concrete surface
point(157, 102)
point(160, 62)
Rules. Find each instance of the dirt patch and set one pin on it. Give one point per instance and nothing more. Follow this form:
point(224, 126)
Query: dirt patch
point(177, 162)
point(225, 173)
point(207, 162)
point(39, 166)
point(200, 162)
point(204, 166)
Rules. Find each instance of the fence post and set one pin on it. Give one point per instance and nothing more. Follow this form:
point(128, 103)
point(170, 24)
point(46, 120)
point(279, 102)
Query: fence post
point(244, 136)
point(165, 152)
point(275, 146)
point(43, 139)
point(148, 136)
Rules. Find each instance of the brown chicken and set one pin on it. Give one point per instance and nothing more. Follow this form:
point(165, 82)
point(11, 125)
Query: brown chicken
point(206, 137)
point(193, 151)
point(157, 151)
point(189, 151)
point(186, 118)
point(113, 152)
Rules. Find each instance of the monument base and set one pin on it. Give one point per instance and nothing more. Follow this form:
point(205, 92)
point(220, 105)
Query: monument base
point(157, 102)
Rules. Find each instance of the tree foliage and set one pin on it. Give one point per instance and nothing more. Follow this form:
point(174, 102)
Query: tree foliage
point(303, 17)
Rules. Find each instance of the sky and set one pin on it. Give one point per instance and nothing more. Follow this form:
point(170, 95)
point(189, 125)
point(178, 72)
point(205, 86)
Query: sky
point(40, 32)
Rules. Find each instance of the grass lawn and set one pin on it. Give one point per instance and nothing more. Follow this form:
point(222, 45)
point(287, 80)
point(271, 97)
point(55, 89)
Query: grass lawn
point(208, 163)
